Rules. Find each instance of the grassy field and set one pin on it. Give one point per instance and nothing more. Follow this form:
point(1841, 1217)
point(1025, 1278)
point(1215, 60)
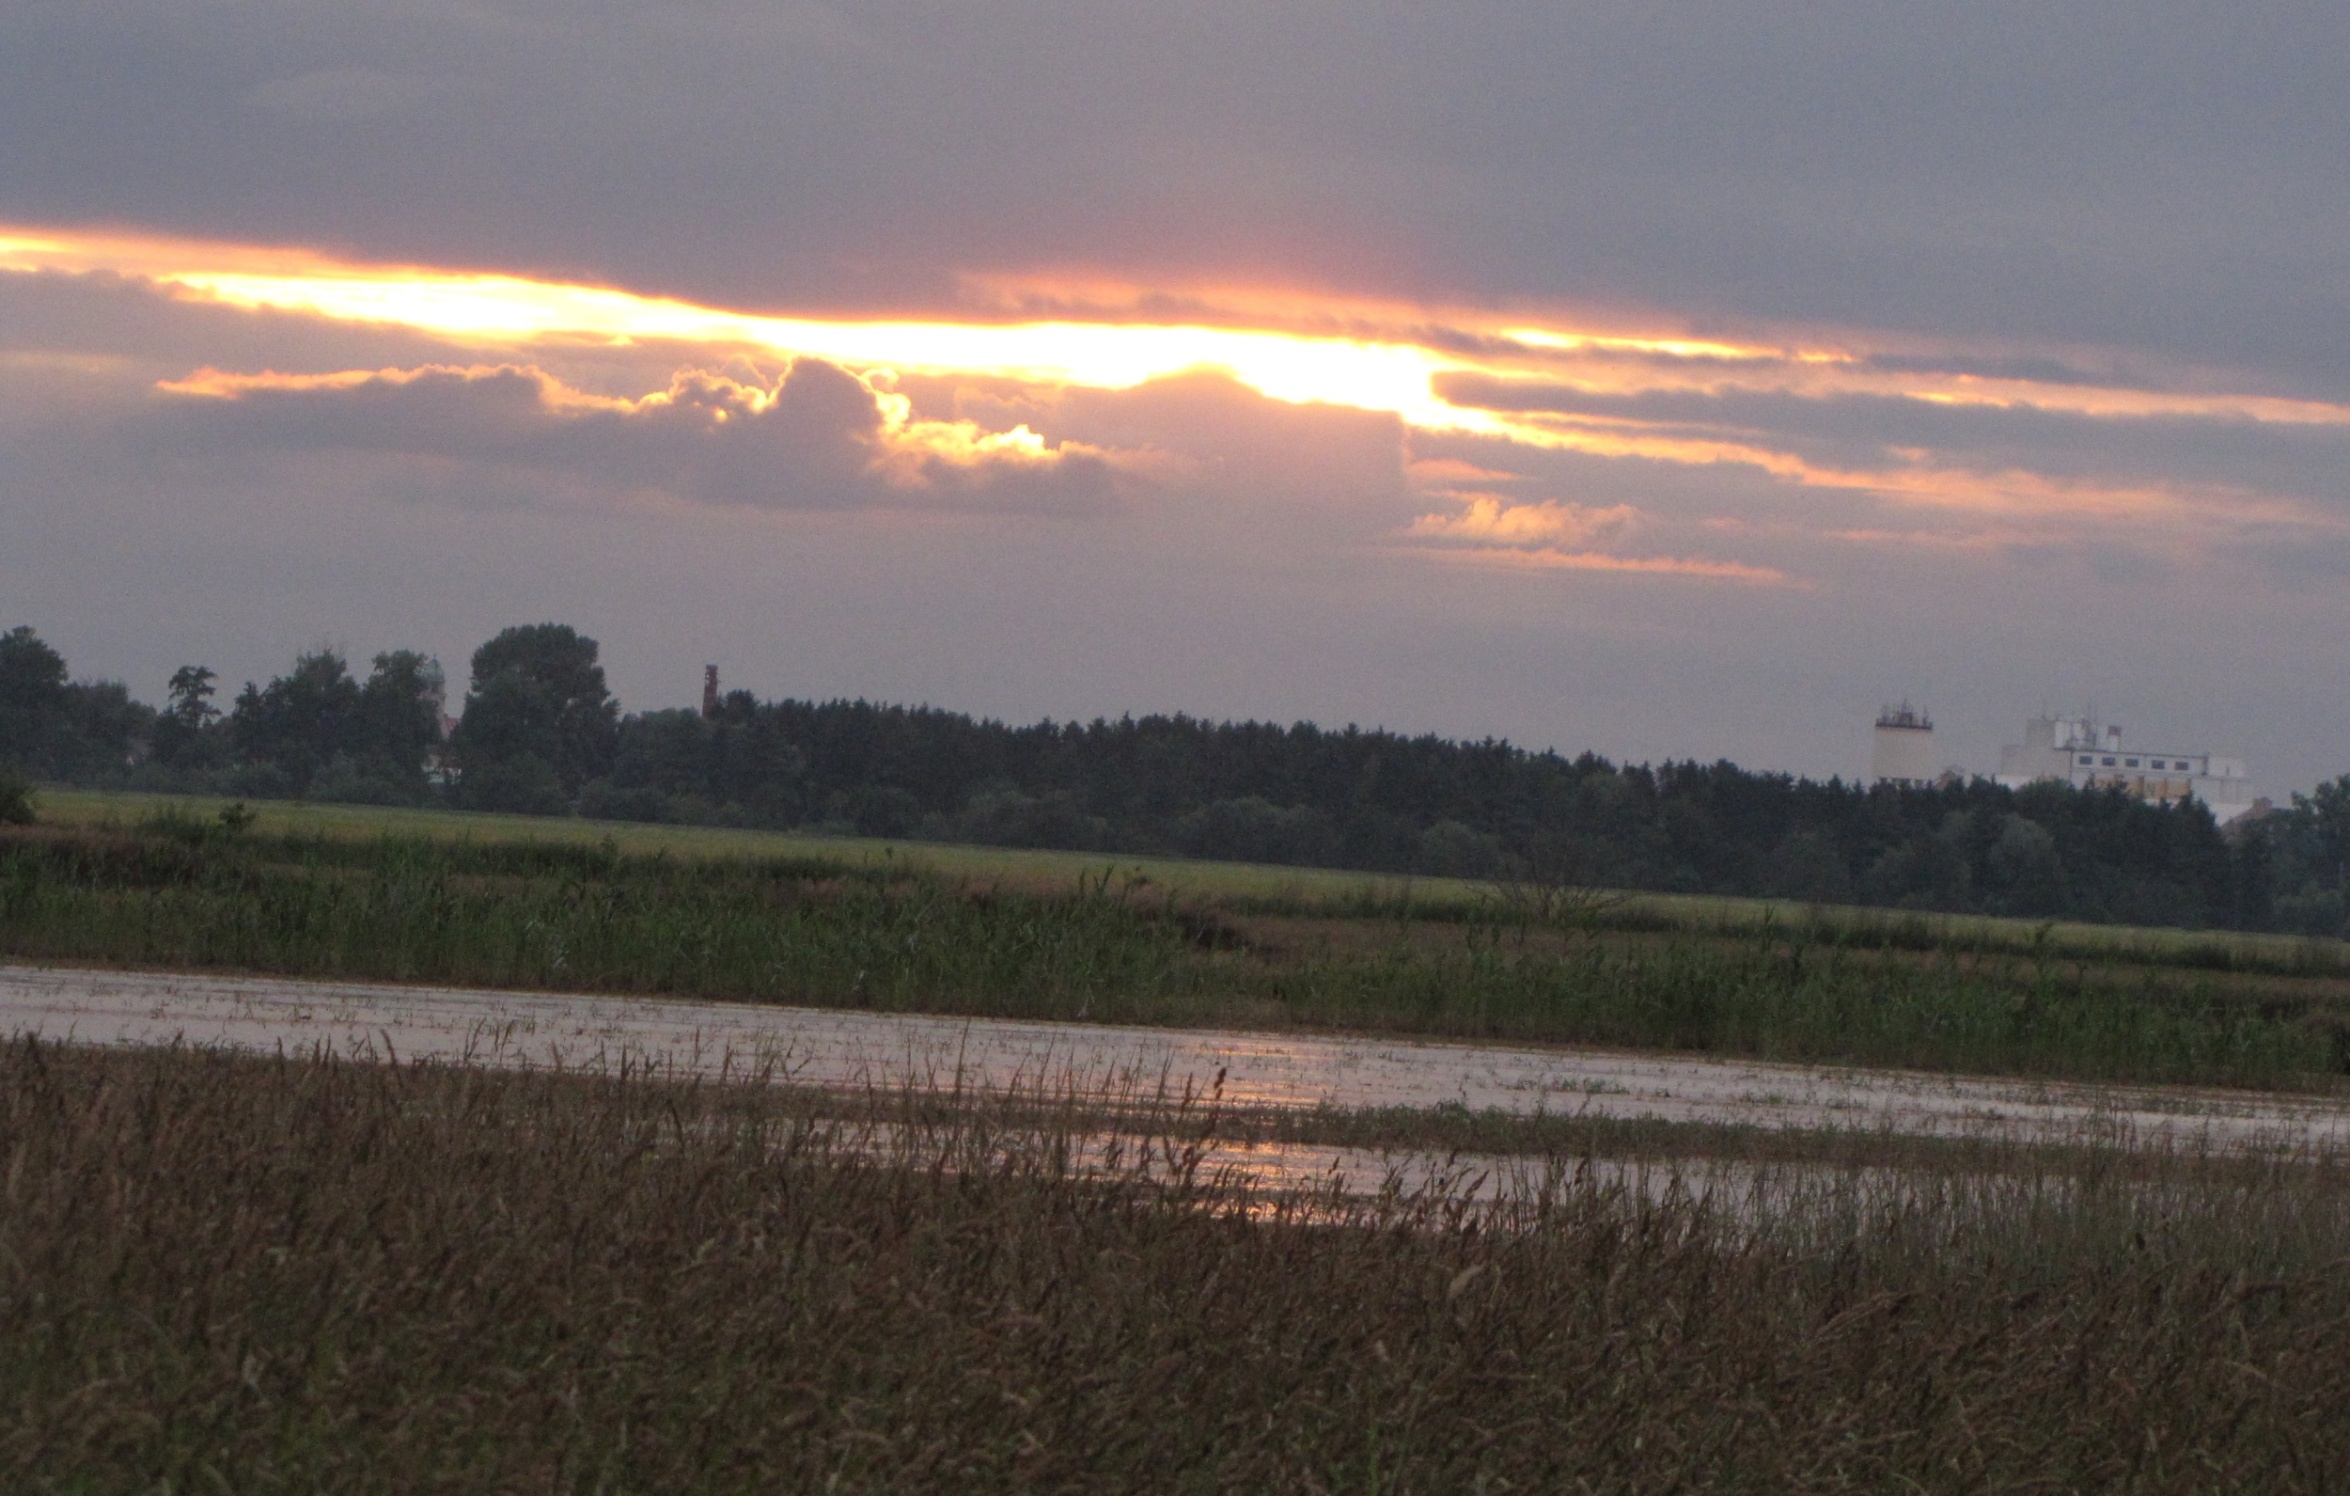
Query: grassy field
point(1246, 888)
point(1281, 887)
point(222, 1274)
point(895, 933)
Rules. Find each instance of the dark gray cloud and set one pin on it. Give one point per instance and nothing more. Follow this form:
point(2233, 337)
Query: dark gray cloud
point(818, 438)
point(2033, 368)
point(2131, 173)
point(1862, 432)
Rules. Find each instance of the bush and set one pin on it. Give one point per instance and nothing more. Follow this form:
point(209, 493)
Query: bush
point(1449, 849)
point(16, 799)
point(885, 810)
point(600, 800)
point(1253, 829)
point(259, 782)
point(343, 782)
point(2316, 911)
point(522, 785)
point(1004, 817)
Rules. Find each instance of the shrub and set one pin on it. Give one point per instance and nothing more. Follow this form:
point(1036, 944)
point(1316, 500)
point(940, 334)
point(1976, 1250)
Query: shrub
point(16, 799)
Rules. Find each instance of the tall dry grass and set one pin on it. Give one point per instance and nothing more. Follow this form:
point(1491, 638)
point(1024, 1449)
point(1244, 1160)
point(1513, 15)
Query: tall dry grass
point(257, 1276)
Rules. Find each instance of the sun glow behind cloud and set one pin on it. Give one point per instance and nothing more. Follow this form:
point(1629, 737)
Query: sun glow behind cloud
point(1559, 388)
point(510, 311)
point(1390, 372)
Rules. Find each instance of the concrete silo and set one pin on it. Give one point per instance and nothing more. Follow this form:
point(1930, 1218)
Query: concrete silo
point(1903, 751)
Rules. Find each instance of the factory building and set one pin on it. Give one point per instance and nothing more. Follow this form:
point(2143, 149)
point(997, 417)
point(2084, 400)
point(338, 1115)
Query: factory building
point(2088, 755)
point(1903, 750)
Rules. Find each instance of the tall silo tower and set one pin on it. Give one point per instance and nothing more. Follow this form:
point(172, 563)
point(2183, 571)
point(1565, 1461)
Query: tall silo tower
point(1903, 751)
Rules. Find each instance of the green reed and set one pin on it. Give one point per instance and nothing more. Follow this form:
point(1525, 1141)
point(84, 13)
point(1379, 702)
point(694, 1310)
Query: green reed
point(1752, 999)
point(197, 895)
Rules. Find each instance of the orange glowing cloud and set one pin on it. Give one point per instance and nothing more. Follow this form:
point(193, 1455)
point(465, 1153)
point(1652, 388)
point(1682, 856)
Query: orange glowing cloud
point(1435, 471)
point(1490, 519)
point(1554, 559)
point(215, 384)
point(1550, 535)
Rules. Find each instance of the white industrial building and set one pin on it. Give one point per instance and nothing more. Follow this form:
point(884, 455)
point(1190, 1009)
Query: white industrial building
point(2089, 756)
point(1903, 750)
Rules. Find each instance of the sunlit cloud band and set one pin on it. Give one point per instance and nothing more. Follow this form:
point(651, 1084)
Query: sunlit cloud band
point(1506, 378)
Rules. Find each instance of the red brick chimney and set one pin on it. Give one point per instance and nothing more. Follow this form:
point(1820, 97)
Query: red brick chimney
point(709, 690)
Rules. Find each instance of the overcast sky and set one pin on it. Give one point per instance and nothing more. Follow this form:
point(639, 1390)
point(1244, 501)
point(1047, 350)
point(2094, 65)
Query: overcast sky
point(1667, 381)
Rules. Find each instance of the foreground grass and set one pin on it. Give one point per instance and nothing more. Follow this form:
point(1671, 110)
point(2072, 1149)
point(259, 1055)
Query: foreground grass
point(263, 1276)
point(185, 894)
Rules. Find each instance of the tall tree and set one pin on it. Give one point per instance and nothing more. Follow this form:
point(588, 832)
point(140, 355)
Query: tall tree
point(397, 721)
point(190, 693)
point(33, 702)
point(539, 722)
point(186, 733)
point(105, 731)
point(300, 721)
point(82, 730)
point(2329, 812)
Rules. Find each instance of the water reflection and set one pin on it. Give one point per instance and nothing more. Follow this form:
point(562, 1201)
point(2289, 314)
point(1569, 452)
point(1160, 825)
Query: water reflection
point(851, 1050)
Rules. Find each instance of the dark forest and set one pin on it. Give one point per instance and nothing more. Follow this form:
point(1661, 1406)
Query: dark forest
point(538, 732)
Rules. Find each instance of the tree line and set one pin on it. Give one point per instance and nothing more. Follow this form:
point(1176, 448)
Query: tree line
point(538, 732)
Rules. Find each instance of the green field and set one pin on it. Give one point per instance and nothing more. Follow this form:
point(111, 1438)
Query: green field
point(1302, 887)
point(1241, 887)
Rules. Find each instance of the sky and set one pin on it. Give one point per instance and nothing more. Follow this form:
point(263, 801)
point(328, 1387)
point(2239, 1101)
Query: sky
point(1674, 381)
